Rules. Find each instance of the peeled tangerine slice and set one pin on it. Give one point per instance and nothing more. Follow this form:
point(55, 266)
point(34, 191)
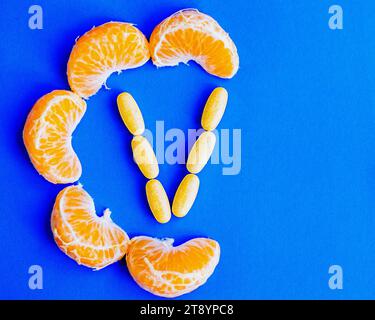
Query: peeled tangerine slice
point(191, 35)
point(48, 135)
point(169, 271)
point(111, 47)
point(92, 241)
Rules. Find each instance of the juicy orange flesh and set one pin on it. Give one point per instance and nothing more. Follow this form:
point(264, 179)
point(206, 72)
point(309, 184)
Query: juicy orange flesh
point(170, 271)
point(202, 48)
point(47, 136)
point(191, 35)
point(90, 240)
point(113, 46)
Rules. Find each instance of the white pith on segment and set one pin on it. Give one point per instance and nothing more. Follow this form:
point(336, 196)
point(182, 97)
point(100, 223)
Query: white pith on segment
point(162, 279)
point(108, 53)
point(112, 242)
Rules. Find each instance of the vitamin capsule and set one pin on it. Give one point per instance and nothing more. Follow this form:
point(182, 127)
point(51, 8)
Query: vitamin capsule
point(185, 195)
point(130, 113)
point(145, 157)
point(201, 152)
point(158, 201)
point(214, 109)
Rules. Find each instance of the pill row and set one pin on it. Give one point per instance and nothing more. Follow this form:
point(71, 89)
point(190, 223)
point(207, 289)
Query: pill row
point(144, 157)
point(200, 152)
point(198, 157)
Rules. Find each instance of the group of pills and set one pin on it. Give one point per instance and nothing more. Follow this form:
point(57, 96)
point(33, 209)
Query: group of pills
point(198, 157)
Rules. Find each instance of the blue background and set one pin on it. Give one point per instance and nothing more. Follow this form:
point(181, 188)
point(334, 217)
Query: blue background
point(305, 197)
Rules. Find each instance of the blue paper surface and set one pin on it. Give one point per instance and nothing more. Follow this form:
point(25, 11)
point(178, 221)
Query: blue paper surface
point(304, 198)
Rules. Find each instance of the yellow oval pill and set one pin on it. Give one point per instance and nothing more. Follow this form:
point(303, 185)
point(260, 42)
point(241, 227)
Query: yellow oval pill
point(145, 157)
point(185, 195)
point(214, 109)
point(130, 113)
point(201, 152)
point(158, 201)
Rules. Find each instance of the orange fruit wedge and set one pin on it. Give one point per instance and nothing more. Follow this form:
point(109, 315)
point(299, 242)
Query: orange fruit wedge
point(169, 271)
point(191, 35)
point(92, 241)
point(111, 47)
point(48, 133)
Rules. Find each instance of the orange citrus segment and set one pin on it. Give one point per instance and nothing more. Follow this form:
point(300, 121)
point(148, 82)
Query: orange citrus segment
point(191, 35)
point(48, 133)
point(90, 240)
point(169, 271)
point(111, 47)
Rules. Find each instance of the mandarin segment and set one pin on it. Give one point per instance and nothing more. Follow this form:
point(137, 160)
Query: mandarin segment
point(110, 47)
point(191, 35)
point(48, 132)
point(169, 271)
point(90, 240)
